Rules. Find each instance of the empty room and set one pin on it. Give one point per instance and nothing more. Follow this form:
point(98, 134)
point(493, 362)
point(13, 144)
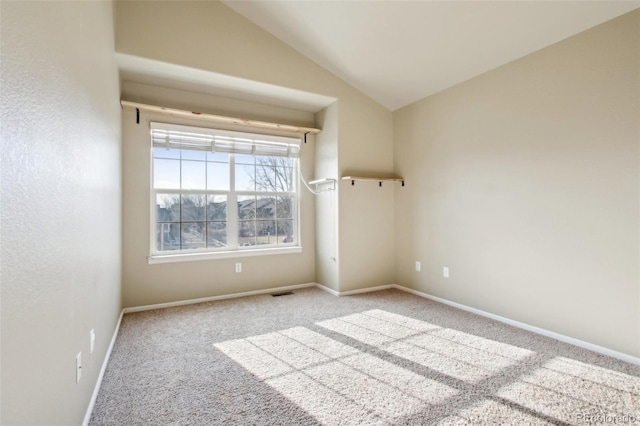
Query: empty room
point(320, 212)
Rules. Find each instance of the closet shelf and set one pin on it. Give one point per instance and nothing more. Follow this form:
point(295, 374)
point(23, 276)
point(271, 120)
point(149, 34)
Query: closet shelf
point(353, 179)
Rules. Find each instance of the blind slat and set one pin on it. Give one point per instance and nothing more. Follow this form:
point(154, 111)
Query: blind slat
point(172, 136)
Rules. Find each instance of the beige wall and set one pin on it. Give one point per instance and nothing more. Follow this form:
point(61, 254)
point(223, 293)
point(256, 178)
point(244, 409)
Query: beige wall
point(366, 214)
point(60, 207)
point(210, 36)
point(525, 183)
point(327, 224)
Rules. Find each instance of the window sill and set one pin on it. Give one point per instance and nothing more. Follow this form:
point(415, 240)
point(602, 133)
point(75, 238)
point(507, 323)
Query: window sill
point(189, 257)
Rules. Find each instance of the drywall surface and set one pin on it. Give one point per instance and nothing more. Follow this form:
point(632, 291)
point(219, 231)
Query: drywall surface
point(525, 183)
point(210, 36)
point(206, 103)
point(60, 209)
point(327, 231)
point(146, 284)
point(366, 221)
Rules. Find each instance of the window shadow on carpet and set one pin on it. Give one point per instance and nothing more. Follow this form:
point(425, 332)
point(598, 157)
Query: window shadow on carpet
point(379, 367)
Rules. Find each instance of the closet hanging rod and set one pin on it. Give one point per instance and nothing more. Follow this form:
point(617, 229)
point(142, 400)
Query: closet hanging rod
point(211, 118)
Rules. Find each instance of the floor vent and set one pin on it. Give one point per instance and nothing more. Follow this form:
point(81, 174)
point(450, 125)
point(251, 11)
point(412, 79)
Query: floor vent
point(286, 293)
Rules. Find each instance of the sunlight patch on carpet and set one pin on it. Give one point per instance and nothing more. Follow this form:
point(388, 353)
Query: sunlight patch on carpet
point(451, 352)
point(319, 342)
point(498, 413)
point(357, 332)
point(284, 348)
point(402, 320)
point(337, 383)
point(574, 392)
point(321, 402)
point(257, 361)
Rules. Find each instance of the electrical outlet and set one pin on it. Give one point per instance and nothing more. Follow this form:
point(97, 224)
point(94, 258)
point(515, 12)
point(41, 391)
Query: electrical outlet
point(238, 267)
point(445, 272)
point(418, 266)
point(78, 367)
point(92, 340)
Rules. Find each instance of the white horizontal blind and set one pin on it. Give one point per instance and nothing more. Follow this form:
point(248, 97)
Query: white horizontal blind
point(172, 136)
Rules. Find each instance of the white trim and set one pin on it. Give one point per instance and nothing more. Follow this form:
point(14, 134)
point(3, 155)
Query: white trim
point(328, 290)
point(366, 290)
point(214, 298)
point(357, 291)
point(547, 333)
point(96, 388)
point(210, 255)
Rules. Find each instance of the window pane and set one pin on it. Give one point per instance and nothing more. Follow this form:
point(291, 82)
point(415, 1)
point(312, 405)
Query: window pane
point(194, 155)
point(274, 174)
point(246, 207)
point(218, 157)
point(193, 175)
point(285, 179)
point(265, 208)
point(167, 208)
point(272, 161)
point(284, 207)
point(216, 234)
point(167, 236)
point(193, 207)
point(216, 207)
point(245, 159)
point(285, 162)
point(246, 233)
point(285, 231)
point(166, 174)
point(218, 176)
point(245, 177)
point(266, 179)
point(266, 232)
point(275, 161)
point(193, 236)
point(166, 153)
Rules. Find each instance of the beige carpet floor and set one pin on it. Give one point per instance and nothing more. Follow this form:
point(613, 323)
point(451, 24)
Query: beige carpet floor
point(387, 357)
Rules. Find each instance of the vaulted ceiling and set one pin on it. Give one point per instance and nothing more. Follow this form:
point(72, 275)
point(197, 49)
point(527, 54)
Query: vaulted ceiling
point(398, 52)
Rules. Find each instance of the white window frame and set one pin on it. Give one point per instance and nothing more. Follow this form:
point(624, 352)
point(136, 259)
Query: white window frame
point(233, 250)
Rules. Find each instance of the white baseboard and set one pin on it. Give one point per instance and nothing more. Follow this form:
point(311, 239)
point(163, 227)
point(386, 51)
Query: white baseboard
point(561, 337)
point(366, 290)
point(96, 388)
point(328, 290)
point(213, 298)
point(358, 291)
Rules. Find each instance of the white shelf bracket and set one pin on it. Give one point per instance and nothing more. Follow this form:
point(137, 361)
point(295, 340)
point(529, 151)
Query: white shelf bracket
point(326, 184)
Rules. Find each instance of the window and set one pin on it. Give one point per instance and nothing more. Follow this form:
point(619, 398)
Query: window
point(219, 193)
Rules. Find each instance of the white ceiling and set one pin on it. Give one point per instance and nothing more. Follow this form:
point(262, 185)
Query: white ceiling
point(398, 52)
